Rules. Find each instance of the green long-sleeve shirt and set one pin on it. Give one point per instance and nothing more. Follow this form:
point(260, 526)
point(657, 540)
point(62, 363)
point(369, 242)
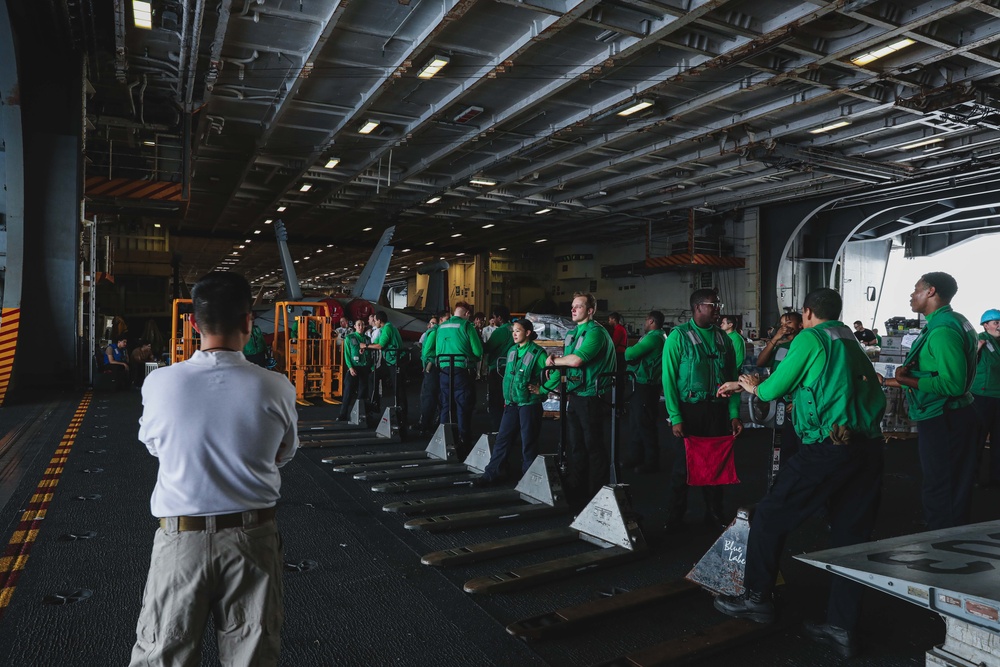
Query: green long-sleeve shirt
point(740, 347)
point(987, 380)
point(497, 346)
point(391, 343)
point(845, 392)
point(592, 344)
point(672, 352)
point(646, 356)
point(427, 350)
point(942, 362)
point(354, 356)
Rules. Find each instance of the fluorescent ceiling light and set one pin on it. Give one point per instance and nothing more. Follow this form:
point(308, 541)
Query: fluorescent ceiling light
point(268, 221)
point(319, 250)
point(433, 67)
point(256, 231)
point(306, 187)
point(367, 229)
point(142, 14)
point(638, 106)
point(332, 162)
point(482, 181)
point(281, 209)
point(830, 127)
point(871, 56)
point(156, 225)
point(149, 143)
point(542, 211)
point(296, 262)
point(368, 127)
point(241, 247)
point(247, 241)
point(918, 144)
point(433, 200)
point(429, 243)
point(541, 240)
point(488, 226)
point(455, 236)
point(501, 248)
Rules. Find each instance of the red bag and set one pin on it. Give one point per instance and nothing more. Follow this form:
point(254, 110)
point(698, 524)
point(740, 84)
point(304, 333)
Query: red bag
point(710, 460)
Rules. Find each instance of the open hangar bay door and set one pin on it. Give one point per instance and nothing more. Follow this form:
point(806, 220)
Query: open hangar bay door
point(844, 242)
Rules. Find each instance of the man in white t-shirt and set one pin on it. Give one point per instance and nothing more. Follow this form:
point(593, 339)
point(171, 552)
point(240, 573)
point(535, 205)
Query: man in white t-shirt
point(221, 427)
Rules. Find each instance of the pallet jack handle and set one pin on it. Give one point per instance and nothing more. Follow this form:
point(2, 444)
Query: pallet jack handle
point(563, 401)
point(618, 383)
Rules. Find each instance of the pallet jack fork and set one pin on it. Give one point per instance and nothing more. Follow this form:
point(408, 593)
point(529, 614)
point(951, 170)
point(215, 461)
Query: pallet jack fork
point(440, 448)
point(387, 432)
point(721, 571)
point(445, 476)
point(607, 521)
point(411, 471)
point(537, 494)
point(357, 420)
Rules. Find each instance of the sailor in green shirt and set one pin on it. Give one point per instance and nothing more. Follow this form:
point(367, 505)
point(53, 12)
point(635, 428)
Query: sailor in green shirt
point(588, 353)
point(388, 373)
point(358, 362)
point(730, 325)
point(430, 387)
point(937, 375)
point(776, 348)
point(771, 357)
point(522, 413)
point(495, 348)
point(697, 358)
point(986, 391)
point(838, 410)
point(458, 349)
point(644, 359)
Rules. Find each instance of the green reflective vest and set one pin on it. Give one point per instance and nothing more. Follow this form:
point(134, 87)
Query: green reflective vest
point(925, 404)
point(457, 337)
point(703, 368)
point(391, 343)
point(525, 364)
point(354, 356)
point(498, 345)
point(645, 358)
point(987, 380)
point(256, 344)
point(592, 343)
point(847, 393)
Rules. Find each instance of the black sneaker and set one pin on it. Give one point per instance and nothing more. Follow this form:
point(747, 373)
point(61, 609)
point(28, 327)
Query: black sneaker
point(843, 642)
point(483, 481)
point(750, 605)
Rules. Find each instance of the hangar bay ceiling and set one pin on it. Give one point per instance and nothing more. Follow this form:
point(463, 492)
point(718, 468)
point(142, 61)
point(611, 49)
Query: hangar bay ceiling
point(488, 124)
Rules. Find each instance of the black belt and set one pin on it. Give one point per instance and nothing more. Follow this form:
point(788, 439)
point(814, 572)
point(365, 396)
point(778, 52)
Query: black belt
point(234, 520)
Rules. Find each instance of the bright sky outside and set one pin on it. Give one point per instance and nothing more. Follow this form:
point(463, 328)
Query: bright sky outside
point(971, 263)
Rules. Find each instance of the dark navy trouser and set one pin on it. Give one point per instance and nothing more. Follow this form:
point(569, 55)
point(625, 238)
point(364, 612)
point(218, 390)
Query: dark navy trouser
point(430, 391)
point(465, 403)
point(988, 411)
point(587, 452)
point(644, 442)
point(947, 446)
point(354, 387)
point(845, 478)
point(525, 420)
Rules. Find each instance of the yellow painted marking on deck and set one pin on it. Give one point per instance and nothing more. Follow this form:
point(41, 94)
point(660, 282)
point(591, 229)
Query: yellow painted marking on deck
point(23, 539)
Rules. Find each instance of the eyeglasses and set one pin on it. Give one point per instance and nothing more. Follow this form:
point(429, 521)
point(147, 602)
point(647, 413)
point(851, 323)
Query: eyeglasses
point(713, 305)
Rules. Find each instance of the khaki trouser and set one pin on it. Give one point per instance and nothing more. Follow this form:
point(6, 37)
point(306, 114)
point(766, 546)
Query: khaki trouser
point(235, 574)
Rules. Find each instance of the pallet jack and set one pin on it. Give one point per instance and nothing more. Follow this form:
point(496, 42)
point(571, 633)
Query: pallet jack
point(386, 433)
point(607, 521)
